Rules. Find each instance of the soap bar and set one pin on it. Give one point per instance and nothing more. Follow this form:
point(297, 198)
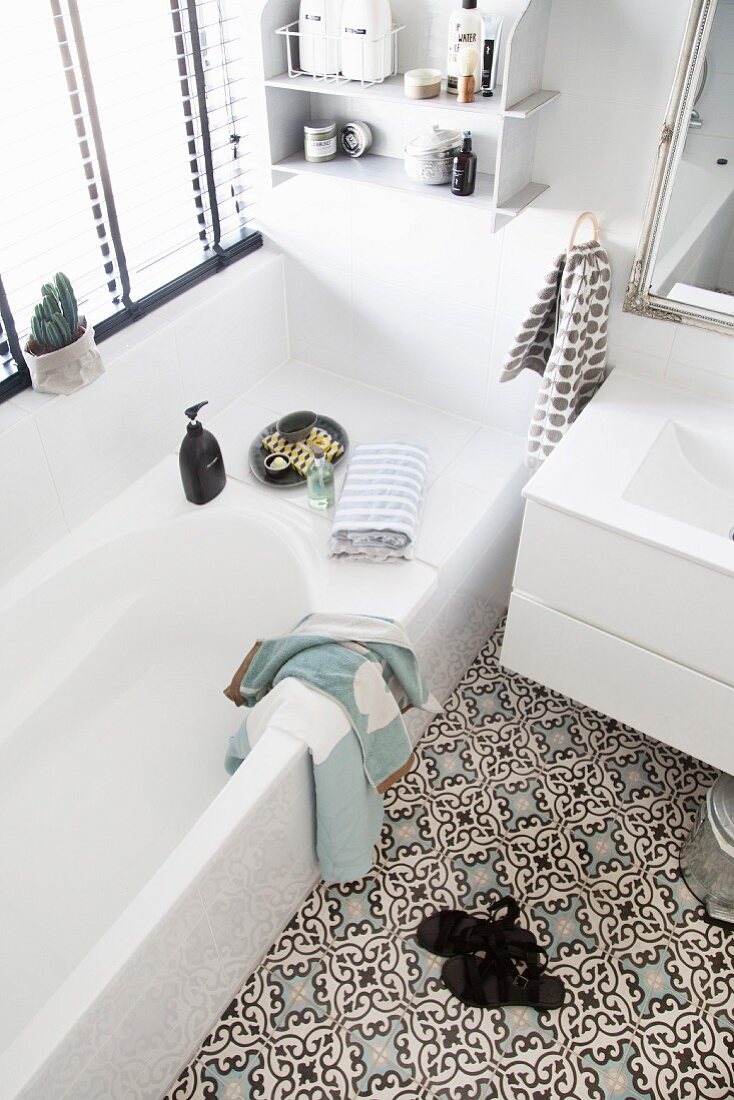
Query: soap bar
point(278, 463)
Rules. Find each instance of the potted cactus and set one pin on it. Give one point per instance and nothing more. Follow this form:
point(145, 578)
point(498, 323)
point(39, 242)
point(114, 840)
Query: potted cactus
point(61, 353)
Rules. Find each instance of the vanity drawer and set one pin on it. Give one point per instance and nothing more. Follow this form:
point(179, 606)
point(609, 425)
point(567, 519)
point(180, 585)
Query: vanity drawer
point(657, 696)
point(642, 594)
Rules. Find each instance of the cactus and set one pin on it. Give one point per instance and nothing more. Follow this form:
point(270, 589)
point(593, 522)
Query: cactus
point(55, 322)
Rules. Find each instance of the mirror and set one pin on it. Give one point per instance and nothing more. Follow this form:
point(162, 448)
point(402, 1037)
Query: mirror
point(684, 267)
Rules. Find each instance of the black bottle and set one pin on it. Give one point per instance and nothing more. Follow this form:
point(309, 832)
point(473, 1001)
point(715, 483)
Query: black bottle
point(464, 175)
point(200, 461)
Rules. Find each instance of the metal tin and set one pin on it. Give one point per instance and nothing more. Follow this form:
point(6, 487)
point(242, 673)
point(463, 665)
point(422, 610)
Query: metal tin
point(355, 139)
point(319, 140)
point(429, 157)
point(707, 859)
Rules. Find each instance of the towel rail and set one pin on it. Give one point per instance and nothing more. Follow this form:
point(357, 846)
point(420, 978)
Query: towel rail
point(591, 216)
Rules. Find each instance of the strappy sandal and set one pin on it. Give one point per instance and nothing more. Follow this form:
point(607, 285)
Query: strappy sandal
point(494, 980)
point(453, 932)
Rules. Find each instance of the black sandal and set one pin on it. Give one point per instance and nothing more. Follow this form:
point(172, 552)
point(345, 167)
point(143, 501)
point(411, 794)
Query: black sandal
point(453, 932)
point(494, 980)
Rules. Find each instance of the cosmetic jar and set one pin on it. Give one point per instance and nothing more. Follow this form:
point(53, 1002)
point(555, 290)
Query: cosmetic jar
point(422, 83)
point(355, 139)
point(319, 140)
point(429, 157)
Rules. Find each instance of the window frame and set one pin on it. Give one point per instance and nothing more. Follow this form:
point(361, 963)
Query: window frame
point(215, 256)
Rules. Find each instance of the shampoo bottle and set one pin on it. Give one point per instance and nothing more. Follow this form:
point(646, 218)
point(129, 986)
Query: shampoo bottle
point(367, 44)
point(319, 28)
point(465, 30)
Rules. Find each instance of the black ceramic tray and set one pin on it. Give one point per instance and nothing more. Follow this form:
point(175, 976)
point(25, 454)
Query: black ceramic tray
point(291, 479)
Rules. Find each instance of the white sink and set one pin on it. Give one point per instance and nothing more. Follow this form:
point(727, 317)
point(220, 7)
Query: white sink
point(688, 475)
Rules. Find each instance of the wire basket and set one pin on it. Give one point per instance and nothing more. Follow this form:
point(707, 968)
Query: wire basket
point(323, 56)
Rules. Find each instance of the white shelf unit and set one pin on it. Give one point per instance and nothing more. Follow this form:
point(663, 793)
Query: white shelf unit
point(504, 126)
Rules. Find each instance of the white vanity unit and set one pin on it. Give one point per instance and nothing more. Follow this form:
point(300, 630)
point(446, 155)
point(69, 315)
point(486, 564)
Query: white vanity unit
point(623, 596)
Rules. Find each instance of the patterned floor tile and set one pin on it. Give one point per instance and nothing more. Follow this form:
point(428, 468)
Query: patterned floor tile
point(451, 1048)
point(680, 1054)
point(628, 913)
point(515, 790)
point(537, 1071)
point(601, 1011)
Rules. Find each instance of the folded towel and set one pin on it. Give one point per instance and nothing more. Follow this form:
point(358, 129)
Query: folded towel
point(379, 509)
point(300, 454)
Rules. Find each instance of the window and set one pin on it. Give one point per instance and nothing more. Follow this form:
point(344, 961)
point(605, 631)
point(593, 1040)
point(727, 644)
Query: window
point(123, 157)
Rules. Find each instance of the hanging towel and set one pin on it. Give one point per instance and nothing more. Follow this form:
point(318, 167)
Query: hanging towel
point(365, 664)
point(565, 341)
point(338, 684)
point(379, 510)
point(349, 811)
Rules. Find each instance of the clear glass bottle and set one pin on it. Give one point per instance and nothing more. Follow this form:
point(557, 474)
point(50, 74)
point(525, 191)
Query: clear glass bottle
point(320, 481)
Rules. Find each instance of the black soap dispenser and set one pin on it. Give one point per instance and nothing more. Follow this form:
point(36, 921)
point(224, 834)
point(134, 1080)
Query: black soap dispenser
point(200, 461)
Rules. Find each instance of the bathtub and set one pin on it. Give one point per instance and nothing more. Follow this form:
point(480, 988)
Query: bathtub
point(139, 883)
point(697, 234)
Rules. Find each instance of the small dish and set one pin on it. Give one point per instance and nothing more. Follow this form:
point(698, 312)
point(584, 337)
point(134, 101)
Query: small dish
point(277, 465)
point(295, 426)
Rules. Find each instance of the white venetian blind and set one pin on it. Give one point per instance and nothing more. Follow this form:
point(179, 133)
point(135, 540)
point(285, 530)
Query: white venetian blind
point(123, 153)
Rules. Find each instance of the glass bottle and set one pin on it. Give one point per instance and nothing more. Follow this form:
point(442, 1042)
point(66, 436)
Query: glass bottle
point(320, 481)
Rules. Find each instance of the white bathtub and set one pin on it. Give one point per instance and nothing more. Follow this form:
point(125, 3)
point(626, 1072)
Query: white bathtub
point(138, 884)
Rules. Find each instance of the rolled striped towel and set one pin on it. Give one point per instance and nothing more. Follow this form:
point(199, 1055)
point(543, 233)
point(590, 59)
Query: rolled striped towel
point(379, 510)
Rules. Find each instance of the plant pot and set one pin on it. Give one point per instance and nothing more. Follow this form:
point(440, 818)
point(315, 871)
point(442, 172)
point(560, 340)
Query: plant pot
point(67, 369)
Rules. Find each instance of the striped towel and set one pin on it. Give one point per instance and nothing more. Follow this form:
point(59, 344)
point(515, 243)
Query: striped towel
point(379, 510)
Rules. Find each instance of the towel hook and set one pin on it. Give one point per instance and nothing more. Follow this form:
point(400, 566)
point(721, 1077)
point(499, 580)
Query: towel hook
point(578, 223)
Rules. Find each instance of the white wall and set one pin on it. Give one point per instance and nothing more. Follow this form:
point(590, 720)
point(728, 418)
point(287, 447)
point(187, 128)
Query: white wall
point(64, 457)
point(416, 296)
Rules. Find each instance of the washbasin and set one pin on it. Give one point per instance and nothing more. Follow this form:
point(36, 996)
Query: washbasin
point(688, 475)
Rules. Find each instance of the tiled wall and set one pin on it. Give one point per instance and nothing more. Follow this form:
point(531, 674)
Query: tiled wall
point(64, 457)
point(416, 296)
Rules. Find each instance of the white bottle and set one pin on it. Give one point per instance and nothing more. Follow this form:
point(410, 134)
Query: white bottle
point(319, 28)
point(366, 40)
point(465, 30)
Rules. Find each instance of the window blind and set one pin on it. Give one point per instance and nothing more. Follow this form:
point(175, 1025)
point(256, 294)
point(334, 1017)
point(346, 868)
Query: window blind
point(124, 157)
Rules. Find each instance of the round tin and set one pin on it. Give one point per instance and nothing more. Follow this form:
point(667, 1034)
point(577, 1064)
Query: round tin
point(355, 139)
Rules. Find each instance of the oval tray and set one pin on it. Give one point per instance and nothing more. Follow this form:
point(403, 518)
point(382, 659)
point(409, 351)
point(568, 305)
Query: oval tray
point(292, 479)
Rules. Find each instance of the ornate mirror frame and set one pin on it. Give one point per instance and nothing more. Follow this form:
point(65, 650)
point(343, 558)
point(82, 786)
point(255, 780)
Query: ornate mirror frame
point(639, 298)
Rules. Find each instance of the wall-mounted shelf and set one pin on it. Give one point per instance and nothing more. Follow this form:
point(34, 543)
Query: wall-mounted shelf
point(386, 172)
point(504, 126)
point(391, 91)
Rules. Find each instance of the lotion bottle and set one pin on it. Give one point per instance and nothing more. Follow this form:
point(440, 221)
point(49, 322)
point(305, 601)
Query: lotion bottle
point(465, 29)
point(200, 461)
point(366, 39)
point(319, 27)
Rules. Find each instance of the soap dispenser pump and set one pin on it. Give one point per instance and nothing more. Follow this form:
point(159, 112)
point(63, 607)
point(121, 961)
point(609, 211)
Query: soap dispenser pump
point(200, 461)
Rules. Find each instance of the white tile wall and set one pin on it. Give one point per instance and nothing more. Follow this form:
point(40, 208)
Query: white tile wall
point(389, 262)
point(64, 457)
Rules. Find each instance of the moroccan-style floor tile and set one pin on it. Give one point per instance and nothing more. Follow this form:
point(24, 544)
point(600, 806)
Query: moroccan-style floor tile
point(515, 790)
